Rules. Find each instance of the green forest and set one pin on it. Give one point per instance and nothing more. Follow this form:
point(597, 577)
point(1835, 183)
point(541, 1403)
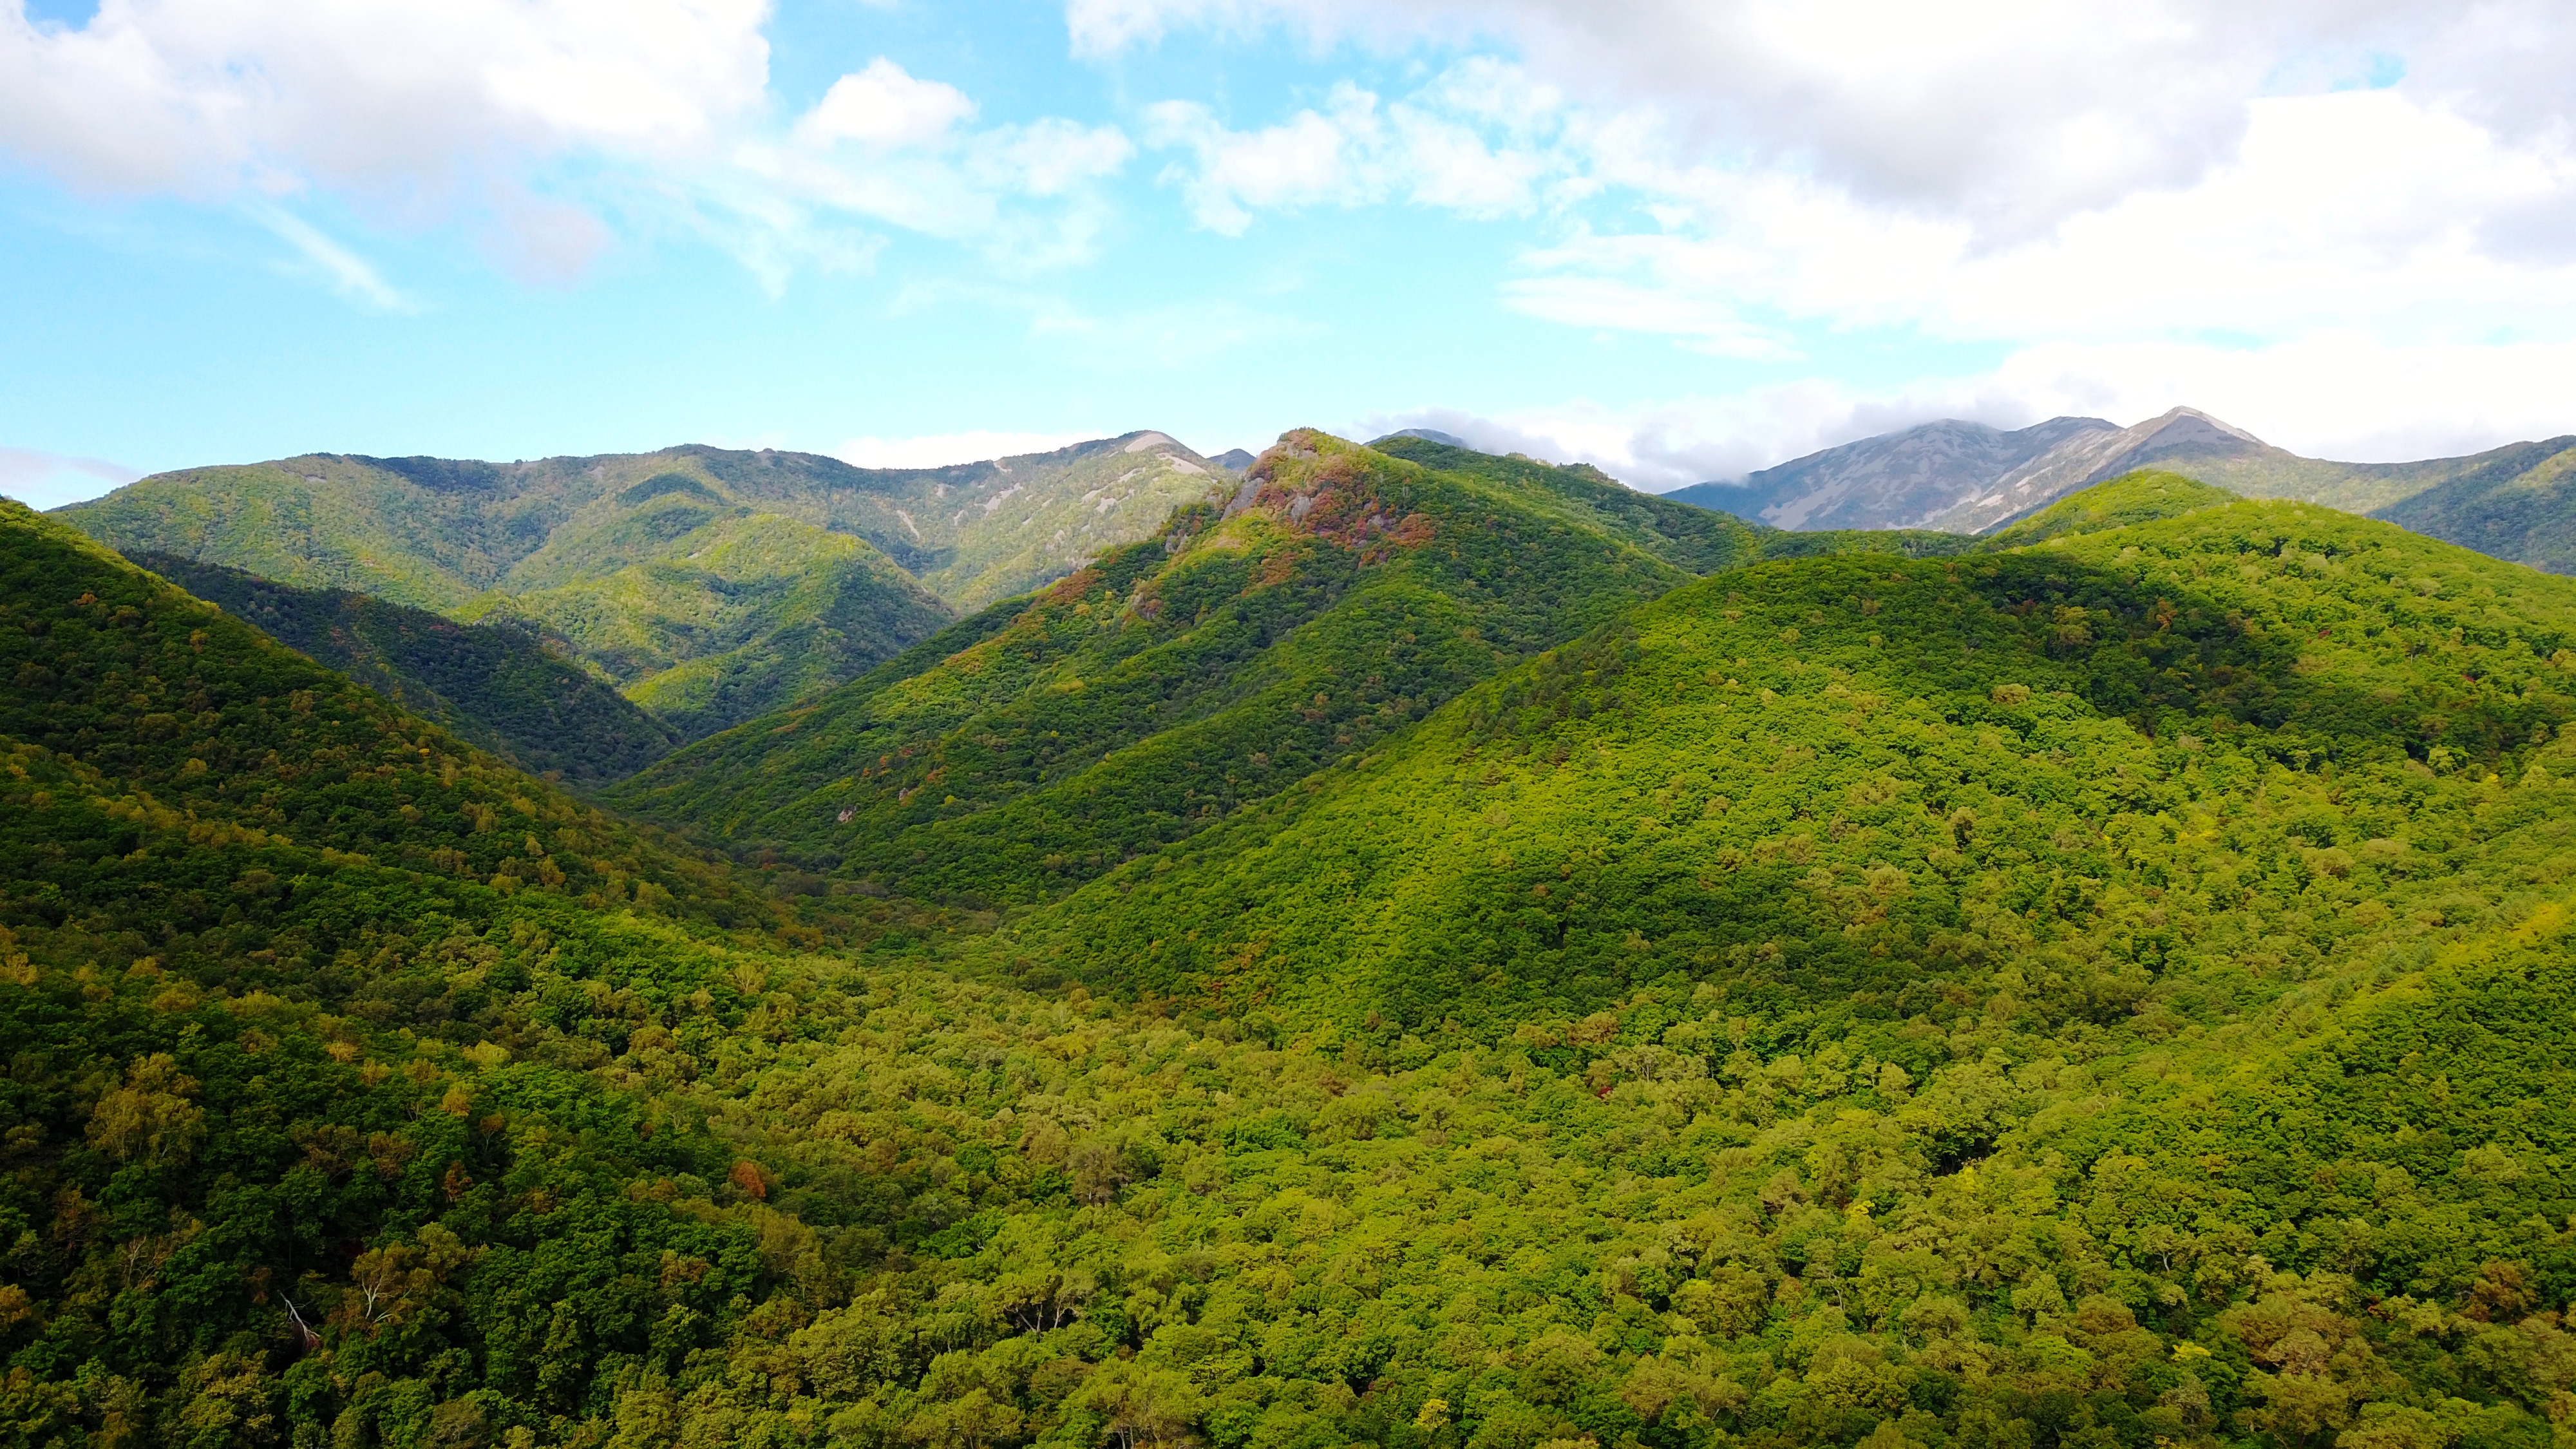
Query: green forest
point(1425, 950)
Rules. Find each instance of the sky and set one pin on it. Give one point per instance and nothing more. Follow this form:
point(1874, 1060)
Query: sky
point(1679, 239)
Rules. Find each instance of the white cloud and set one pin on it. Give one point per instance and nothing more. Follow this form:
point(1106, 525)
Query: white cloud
point(1356, 149)
point(2352, 209)
point(50, 480)
point(418, 113)
point(1314, 157)
point(2010, 114)
point(886, 146)
point(884, 106)
point(940, 450)
point(344, 271)
point(396, 98)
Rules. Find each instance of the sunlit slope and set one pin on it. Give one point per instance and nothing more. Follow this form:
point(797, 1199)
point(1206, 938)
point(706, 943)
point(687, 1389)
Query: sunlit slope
point(1697, 539)
point(824, 569)
point(2236, 1122)
point(436, 532)
point(496, 688)
point(2140, 497)
point(737, 615)
point(2162, 758)
point(1333, 597)
point(430, 538)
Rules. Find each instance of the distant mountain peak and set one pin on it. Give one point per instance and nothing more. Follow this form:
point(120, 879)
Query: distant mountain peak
point(1966, 477)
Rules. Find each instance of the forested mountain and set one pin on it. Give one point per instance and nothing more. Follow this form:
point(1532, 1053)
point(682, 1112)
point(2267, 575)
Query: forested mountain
point(734, 616)
point(497, 688)
point(710, 585)
point(2110, 991)
point(1335, 596)
point(2518, 503)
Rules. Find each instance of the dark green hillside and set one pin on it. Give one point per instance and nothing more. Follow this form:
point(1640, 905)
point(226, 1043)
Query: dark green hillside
point(181, 719)
point(2519, 504)
point(2140, 497)
point(1339, 594)
point(300, 997)
point(496, 688)
point(1825, 779)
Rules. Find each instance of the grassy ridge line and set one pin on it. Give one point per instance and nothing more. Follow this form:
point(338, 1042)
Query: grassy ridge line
point(1760, 777)
point(733, 617)
point(1696, 539)
point(710, 585)
point(2141, 497)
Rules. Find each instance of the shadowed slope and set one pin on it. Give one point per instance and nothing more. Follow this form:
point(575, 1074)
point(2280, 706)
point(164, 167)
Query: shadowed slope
point(494, 687)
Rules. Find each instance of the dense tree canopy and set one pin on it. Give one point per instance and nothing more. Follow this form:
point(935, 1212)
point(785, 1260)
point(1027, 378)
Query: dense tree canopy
point(2111, 992)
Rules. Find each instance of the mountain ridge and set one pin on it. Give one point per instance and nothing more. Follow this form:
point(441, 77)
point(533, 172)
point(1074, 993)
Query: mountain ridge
point(603, 552)
point(1963, 477)
point(2111, 992)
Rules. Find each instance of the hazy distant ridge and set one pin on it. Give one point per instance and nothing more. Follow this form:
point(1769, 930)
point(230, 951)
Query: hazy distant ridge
point(1964, 477)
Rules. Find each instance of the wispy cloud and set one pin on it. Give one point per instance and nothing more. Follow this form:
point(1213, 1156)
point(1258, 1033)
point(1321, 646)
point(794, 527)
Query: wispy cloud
point(50, 480)
point(340, 268)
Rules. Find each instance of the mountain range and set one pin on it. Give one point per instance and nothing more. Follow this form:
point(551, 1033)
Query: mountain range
point(1965, 477)
point(707, 585)
point(1413, 948)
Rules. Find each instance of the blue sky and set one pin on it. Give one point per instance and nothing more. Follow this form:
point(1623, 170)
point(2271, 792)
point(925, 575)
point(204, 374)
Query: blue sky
point(1679, 240)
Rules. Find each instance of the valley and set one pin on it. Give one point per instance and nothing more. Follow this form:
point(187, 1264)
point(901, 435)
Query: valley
point(1404, 946)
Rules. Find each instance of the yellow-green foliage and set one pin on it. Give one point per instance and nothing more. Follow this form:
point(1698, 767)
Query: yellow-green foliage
point(1341, 596)
point(2140, 497)
point(2117, 992)
point(1838, 772)
point(748, 579)
point(733, 617)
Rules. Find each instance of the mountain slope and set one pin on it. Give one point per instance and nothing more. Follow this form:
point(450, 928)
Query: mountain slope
point(2517, 503)
point(1905, 479)
point(496, 688)
point(1758, 780)
point(435, 533)
point(2140, 497)
point(1584, 496)
point(1335, 594)
point(598, 549)
point(739, 615)
point(1962, 477)
point(2226, 1112)
point(204, 737)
